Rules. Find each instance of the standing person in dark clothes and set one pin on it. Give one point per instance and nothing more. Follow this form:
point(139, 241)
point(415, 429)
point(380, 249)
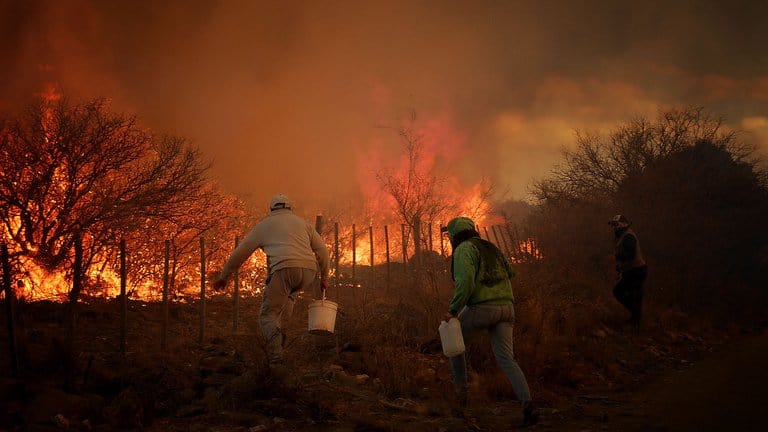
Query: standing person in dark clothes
point(483, 302)
point(631, 267)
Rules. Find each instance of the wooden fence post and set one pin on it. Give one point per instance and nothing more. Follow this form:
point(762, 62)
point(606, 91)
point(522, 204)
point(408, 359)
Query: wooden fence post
point(416, 236)
point(354, 250)
point(370, 238)
point(442, 242)
point(496, 236)
point(319, 230)
point(9, 299)
point(236, 295)
point(166, 265)
point(71, 312)
point(123, 300)
point(202, 290)
point(430, 237)
point(431, 248)
point(417, 243)
point(336, 258)
point(513, 238)
point(319, 224)
point(405, 248)
point(504, 239)
point(386, 244)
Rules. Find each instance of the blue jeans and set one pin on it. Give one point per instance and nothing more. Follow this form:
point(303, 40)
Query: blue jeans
point(499, 321)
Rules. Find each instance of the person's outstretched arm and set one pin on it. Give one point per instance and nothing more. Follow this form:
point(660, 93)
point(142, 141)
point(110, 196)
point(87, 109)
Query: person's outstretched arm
point(250, 243)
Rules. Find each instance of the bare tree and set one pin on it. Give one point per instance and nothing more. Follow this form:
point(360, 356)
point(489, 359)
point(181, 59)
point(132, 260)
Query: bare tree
point(480, 203)
point(599, 165)
point(418, 192)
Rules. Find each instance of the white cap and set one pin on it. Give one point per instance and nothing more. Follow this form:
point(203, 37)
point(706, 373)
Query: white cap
point(618, 219)
point(279, 201)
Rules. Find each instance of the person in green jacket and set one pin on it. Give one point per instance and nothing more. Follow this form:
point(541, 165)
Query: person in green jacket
point(483, 301)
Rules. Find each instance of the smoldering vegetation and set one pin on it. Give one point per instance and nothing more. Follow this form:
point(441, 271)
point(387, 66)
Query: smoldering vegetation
point(695, 194)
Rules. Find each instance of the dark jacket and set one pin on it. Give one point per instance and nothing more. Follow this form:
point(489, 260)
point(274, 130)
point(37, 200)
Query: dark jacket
point(628, 253)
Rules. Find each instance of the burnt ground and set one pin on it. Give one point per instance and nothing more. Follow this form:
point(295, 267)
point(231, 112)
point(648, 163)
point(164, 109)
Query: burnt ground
point(661, 379)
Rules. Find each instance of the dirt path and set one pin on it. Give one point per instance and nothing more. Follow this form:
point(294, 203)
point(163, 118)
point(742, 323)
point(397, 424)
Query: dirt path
point(727, 390)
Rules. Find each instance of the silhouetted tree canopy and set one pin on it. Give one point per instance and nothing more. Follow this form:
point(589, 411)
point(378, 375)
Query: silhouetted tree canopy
point(692, 192)
point(599, 164)
point(703, 213)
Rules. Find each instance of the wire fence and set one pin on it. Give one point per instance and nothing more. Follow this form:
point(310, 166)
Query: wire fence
point(360, 256)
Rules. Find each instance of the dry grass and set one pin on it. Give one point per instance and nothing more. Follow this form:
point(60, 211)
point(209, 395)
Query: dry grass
point(568, 340)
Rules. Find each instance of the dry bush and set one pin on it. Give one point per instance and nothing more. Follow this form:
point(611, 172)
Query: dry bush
point(390, 333)
point(561, 323)
point(405, 311)
point(558, 314)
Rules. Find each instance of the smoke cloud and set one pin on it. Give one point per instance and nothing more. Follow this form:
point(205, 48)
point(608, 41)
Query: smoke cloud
point(302, 97)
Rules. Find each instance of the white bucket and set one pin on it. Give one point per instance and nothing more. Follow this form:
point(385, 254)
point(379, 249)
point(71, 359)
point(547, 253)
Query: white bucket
point(451, 338)
point(322, 316)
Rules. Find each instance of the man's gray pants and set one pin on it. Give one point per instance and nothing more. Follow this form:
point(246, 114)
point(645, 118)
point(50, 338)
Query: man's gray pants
point(498, 320)
point(277, 305)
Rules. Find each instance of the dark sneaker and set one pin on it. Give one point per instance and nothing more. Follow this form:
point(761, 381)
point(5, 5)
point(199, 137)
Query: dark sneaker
point(461, 404)
point(530, 414)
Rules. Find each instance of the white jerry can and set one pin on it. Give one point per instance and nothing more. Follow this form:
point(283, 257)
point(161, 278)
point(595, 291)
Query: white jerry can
point(451, 338)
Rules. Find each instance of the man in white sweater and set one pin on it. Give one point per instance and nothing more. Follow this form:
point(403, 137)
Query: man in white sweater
point(295, 255)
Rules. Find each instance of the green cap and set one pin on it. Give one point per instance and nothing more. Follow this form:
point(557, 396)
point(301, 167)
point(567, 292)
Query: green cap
point(459, 224)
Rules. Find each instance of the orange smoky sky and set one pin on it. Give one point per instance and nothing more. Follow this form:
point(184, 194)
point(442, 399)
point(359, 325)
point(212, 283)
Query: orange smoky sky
point(302, 97)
